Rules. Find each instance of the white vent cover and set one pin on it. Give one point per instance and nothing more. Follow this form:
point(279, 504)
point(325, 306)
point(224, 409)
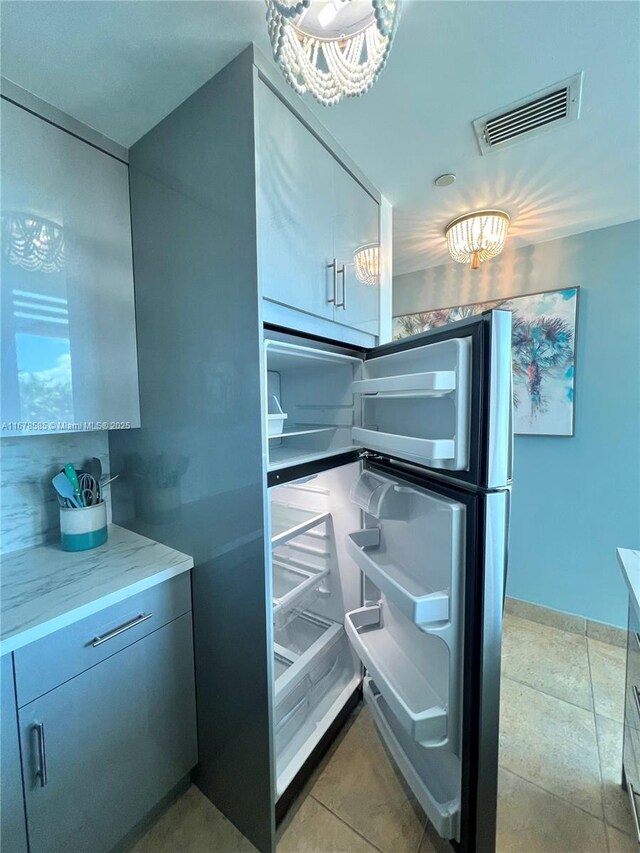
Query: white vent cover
point(530, 116)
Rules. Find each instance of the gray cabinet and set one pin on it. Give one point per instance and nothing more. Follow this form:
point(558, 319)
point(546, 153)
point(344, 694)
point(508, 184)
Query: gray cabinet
point(68, 319)
point(312, 214)
point(104, 748)
point(13, 831)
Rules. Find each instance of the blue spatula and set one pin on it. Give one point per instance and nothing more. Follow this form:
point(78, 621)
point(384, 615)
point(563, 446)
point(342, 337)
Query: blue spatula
point(62, 485)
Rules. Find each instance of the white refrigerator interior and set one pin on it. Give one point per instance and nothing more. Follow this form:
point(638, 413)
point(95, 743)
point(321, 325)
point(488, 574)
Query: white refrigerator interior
point(368, 571)
point(413, 404)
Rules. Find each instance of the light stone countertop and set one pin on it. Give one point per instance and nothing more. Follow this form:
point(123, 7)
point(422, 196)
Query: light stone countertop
point(43, 589)
point(630, 564)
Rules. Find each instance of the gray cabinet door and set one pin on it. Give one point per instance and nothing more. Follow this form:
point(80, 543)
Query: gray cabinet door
point(113, 740)
point(13, 830)
point(355, 225)
point(295, 208)
point(68, 318)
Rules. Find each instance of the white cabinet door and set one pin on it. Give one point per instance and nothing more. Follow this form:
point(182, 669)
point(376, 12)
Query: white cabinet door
point(69, 356)
point(295, 203)
point(355, 226)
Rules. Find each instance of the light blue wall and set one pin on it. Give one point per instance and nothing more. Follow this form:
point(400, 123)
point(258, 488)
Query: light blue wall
point(574, 499)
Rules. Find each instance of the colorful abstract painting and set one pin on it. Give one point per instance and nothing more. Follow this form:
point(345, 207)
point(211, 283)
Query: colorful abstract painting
point(543, 350)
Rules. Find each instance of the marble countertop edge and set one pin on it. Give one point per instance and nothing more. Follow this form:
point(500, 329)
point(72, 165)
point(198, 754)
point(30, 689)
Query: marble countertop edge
point(22, 638)
point(37, 602)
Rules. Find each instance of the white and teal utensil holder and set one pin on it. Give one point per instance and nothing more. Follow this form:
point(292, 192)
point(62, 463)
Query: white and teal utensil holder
point(83, 528)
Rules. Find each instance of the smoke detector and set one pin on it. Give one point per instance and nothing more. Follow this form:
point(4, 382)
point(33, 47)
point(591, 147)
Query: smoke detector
point(544, 110)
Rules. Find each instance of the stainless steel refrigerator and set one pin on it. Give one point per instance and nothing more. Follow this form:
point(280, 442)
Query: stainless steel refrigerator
point(389, 475)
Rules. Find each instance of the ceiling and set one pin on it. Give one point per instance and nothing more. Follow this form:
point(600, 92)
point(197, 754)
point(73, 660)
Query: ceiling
point(122, 66)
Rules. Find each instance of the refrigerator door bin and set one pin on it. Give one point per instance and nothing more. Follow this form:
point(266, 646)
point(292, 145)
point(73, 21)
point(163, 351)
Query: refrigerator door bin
point(414, 553)
point(432, 384)
point(314, 387)
point(410, 669)
point(432, 774)
point(412, 597)
point(416, 414)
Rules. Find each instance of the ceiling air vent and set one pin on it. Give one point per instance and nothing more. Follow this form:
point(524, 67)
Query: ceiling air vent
point(542, 111)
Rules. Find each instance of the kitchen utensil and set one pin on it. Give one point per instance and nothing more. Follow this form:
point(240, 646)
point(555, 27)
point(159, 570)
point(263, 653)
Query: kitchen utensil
point(70, 473)
point(90, 489)
point(94, 467)
point(62, 485)
point(115, 477)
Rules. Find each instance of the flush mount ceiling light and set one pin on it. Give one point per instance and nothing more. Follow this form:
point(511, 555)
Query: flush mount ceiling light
point(333, 49)
point(366, 261)
point(476, 237)
point(33, 243)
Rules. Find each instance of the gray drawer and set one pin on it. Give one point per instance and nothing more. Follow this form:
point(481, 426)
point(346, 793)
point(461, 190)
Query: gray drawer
point(632, 711)
point(51, 661)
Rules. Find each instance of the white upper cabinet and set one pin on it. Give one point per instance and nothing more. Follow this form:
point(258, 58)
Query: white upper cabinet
point(355, 228)
point(313, 216)
point(69, 357)
point(295, 175)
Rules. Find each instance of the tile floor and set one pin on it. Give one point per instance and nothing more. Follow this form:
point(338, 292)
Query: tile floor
point(560, 752)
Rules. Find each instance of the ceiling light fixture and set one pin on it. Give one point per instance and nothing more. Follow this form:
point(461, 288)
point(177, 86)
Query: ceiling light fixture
point(332, 48)
point(366, 261)
point(33, 243)
point(476, 237)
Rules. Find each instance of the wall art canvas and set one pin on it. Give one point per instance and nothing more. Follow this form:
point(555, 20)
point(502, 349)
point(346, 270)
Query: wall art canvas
point(543, 350)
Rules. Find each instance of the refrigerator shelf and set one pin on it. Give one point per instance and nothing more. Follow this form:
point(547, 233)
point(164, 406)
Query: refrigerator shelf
point(419, 708)
point(289, 521)
point(427, 450)
point(433, 775)
point(292, 584)
point(434, 383)
point(301, 430)
point(414, 599)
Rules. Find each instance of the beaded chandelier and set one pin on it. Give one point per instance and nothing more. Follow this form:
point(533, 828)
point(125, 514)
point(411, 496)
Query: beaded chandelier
point(476, 237)
point(333, 49)
point(33, 243)
point(366, 261)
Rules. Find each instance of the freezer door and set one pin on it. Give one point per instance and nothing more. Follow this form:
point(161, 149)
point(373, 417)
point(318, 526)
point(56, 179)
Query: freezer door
point(442, 400)
point(433, 557)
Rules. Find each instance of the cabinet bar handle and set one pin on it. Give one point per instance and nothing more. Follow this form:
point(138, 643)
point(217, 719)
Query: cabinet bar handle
point(334, 266)
point(634, 808)
point(343, 272)
point(98, 641)
point(41, 772)
point(637, 636)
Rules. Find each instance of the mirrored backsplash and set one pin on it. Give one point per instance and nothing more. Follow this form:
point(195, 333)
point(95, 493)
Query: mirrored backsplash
point(28, 505)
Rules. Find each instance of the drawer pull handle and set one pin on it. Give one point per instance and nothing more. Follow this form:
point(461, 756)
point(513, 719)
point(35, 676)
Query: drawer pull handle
point(636, 696)
point(41, 772)
point(634, 808)
point(98, 641)
point(637, 636)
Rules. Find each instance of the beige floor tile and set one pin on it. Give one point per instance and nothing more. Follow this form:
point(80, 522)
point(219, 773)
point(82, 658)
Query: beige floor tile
point(545, 616)
point(314, 829)
point(551, 743)
point(532, 821)
point(607, 633)
point(360, 785)
point(620, 842)
point(427, 845)
point(193, 825)
point(548, 659)
point(607, 675)
point(617, 810)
